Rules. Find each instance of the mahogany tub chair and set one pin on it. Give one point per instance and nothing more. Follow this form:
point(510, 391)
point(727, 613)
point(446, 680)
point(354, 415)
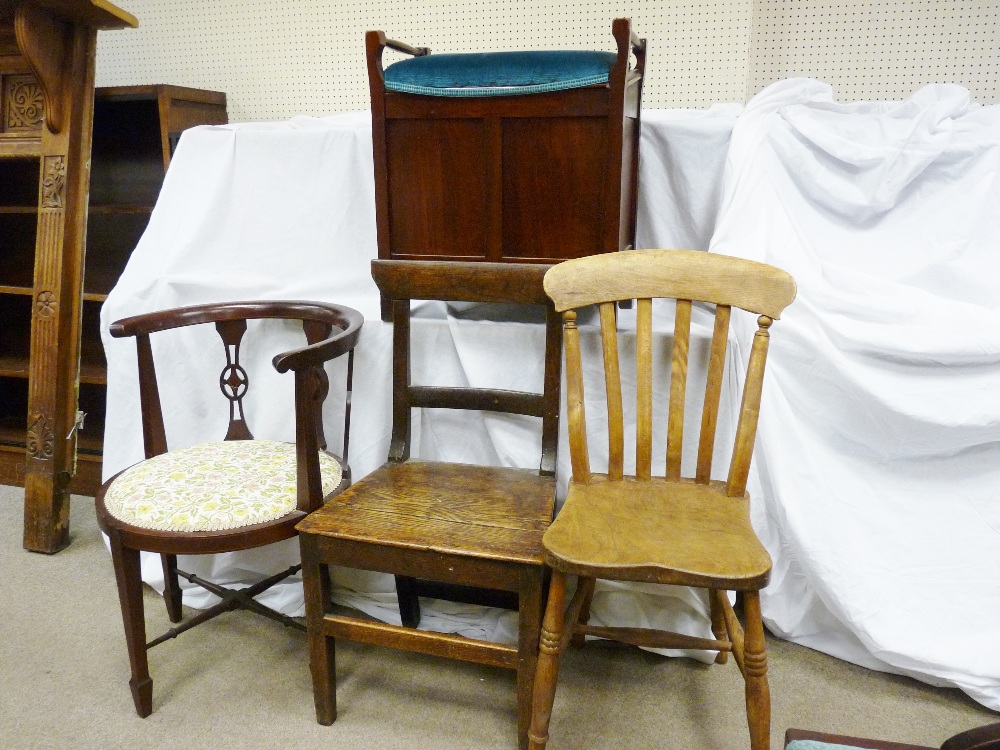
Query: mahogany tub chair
point(445, 530)
point(981, 738)
point(228, 495)
point(523, 156)
point(670, 529)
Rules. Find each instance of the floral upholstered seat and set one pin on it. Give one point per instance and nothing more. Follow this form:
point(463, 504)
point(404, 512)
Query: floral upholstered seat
point(213, 486)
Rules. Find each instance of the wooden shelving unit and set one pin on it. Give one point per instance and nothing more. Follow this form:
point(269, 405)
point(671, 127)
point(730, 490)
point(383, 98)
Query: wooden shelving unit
point(51, 357)
point(134, 129)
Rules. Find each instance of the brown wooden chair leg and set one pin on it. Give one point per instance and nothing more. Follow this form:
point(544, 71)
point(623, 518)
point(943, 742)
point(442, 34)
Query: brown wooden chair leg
point(128, 576)
point(755, 672)
point(322, 648)
point(547, 669)
point(718, 624)
point(171, 587)
point(579, 639)
point(409, 604)
point(529, 610)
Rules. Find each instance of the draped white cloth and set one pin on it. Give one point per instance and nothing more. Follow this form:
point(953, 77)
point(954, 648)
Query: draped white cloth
point(877, 456)
point(286, 210)
point(878, 452)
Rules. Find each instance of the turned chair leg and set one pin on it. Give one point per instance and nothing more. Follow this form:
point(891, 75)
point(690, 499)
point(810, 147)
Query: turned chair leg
point(578, 639)
point(718, 623)
point(322, 648)
point(128, 576)
point(529, 606)
point(171, 587)
point(547, 669)
point(755, 672)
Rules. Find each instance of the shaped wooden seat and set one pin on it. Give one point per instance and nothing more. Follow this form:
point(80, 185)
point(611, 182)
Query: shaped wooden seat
point(229, 495)
point(445, 530)
point(660, 529)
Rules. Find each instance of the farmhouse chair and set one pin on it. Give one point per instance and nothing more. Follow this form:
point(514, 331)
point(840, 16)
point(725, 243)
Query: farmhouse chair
point(670, 529)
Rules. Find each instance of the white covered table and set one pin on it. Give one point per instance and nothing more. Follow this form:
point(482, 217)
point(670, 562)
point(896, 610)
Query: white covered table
point(286, 210)
point(878, 455)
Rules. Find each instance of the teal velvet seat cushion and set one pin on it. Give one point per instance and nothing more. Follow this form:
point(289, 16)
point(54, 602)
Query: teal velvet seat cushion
point(498, 73)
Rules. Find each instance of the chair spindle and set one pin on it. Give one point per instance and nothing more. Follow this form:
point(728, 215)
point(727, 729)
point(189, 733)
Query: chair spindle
point(644, 389)
point(613, 389)
point(579, 452)
point(713, 392)
point(746, 429)
point(678, 387)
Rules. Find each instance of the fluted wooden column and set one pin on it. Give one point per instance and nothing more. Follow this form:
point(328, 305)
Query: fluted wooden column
point(58, 38)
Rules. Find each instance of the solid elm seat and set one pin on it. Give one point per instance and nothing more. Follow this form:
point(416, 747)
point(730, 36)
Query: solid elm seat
point(527, 157)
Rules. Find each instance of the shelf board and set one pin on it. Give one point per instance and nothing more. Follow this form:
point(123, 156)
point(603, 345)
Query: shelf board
point(94, 373)
point(14, 367)
point(114, 208)
point(18, 209)
point(94, 297)
point(20, 144)
point(13, 438)
point(25, 291)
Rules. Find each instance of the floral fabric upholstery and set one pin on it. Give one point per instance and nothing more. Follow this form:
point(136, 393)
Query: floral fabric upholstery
point(212, 486)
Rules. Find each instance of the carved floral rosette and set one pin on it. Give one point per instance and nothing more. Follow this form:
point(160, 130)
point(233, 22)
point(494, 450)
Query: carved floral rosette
point(23, 104)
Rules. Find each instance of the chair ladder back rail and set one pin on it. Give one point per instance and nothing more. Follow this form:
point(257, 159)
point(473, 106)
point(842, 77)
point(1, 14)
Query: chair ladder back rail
point(233, 381)
point(154, 436)
point(461, 281)
point(713, 394)
point(399, 446)
point(311, 386)
point(746, 428)
point(613, 390)
point(644, 389)
point(482, 399)
point(678, 388)
point(578, 450)
point(550, 390)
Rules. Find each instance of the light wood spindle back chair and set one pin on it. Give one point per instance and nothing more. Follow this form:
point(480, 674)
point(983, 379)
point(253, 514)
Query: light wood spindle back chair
point(235, 494)
point(670, 529)
point(446, 530)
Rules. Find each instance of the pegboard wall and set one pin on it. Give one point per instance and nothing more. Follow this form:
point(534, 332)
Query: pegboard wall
point(276, 59)
point(878, 50)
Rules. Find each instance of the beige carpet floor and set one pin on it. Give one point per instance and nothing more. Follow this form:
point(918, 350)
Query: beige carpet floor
point(241, 681)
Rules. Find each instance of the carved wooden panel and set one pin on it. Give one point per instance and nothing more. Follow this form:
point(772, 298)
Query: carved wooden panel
point(22, 104)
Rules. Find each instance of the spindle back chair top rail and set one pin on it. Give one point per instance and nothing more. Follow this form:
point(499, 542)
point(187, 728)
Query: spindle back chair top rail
point(681, 274)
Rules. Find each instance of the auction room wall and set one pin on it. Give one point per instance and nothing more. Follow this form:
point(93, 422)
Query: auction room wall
point(276, 59)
